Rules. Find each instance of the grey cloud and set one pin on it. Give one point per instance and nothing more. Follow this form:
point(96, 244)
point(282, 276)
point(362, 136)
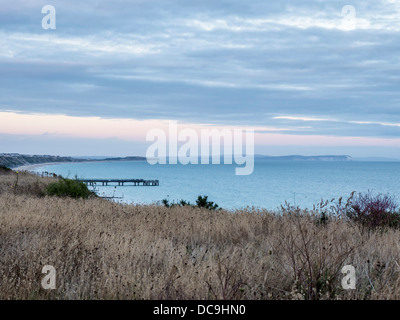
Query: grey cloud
point(226, 62)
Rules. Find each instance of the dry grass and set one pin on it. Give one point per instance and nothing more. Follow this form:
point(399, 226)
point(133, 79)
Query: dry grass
point(105, 250)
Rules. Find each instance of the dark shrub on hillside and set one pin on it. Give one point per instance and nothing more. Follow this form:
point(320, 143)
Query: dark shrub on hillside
point(374, 211)
point(4, 170)
point(181, 203)
point(202, 202)
point(69, 188)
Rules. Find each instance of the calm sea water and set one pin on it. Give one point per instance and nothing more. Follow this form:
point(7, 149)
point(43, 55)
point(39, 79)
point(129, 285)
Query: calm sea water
point(271, 184)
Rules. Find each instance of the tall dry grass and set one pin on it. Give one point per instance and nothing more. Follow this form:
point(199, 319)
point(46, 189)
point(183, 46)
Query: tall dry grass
point(105, 250)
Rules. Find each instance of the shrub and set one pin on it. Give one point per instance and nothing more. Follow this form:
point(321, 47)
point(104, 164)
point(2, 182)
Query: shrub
point(4, 170)
point(69, 188)
point(374, 211)
point(165, 202)
point(203, 203)
point(183, 203)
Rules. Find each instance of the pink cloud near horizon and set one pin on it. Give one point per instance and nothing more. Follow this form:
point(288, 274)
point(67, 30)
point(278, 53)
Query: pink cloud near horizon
point(135, 130)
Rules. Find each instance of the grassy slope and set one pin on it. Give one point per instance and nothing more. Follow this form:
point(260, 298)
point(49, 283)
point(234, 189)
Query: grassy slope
point(21, 160)
point(101, 249)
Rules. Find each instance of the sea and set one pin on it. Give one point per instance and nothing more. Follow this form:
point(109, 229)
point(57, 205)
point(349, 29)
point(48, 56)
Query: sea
point(272, 183)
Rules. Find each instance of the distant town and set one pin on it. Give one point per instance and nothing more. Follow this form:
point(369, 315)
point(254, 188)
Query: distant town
point(13, 160)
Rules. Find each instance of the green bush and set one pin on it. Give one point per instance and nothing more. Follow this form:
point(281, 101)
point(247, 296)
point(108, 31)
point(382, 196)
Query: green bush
point(181, 203)
point(69, 188)
point(4, 169)
point(201, 202)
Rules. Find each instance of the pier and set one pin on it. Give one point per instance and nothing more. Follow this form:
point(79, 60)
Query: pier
point(121, 182)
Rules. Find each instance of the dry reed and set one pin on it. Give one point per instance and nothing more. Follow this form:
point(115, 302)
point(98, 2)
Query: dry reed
point(105, 250)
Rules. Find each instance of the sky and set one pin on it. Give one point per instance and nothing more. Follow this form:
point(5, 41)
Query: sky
point(310, 77)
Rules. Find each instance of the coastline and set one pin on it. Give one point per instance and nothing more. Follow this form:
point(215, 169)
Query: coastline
point(30, 167)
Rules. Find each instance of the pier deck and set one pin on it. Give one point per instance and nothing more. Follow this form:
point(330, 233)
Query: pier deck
point(121, 182)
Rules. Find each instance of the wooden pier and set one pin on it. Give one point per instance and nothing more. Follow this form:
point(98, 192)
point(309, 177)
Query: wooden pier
point(121, 182)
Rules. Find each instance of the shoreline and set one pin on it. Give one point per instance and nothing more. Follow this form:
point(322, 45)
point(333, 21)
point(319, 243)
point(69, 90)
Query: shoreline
point(29, 167)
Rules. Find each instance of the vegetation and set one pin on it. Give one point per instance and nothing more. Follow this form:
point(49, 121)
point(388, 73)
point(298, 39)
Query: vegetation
point(369, 211)
point(106, 250)
point(374, 211)
point(4, 169)
point(201, 202)
point(23, 183)
point(69, 188)
point(14, 159)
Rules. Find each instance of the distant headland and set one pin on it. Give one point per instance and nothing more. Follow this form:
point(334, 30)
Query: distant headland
point(14, 160)
point(306, 158)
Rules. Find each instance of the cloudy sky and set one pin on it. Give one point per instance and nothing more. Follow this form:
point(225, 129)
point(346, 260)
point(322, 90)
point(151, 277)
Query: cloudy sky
point(310, 77)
